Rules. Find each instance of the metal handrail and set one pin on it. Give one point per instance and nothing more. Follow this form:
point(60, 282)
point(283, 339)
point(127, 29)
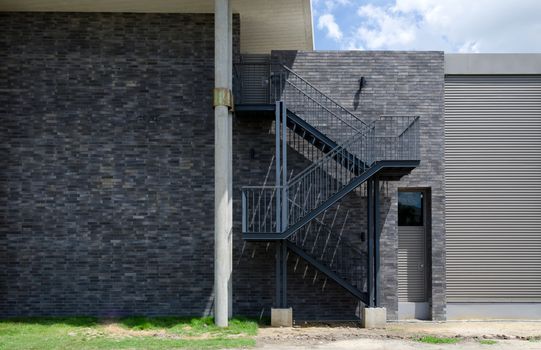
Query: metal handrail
point(289, 70)
point(331, 154)
point(322, 93)
point(326, 109)
point(389, 138)
point(284, 79)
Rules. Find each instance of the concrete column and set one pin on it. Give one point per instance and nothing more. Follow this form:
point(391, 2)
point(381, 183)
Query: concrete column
point(222, 175)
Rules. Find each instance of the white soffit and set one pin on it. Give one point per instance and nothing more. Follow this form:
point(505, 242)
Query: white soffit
point(265, 24)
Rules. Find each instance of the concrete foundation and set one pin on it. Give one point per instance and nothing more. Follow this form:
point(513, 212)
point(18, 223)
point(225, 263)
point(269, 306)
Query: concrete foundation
point(374, 317)
point(282, 317)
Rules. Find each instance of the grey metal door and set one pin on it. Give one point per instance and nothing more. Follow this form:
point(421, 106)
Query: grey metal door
point(412, 286)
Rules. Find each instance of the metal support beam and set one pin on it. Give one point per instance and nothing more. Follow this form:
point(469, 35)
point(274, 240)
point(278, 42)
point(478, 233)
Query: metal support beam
point(377, 233)
point(373, 215)
point(281, 274)
point(223, 144)
point(285, 200)
point(281, 203)
point(277, 162)
point(370, 234)
point(278, 269)
point(284, 273)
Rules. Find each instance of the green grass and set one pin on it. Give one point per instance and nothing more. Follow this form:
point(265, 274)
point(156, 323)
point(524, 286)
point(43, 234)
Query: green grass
point(487, 342)
point(437, 340)
point(534, 339)
point(89, 333)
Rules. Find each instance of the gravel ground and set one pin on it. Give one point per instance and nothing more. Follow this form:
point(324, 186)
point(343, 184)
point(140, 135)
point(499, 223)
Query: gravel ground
point(399, 335)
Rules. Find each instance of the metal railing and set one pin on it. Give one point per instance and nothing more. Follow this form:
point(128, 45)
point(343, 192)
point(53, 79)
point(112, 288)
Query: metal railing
point(395, 138)
point(271, 82)
point(360, 145)
point(388, 138)
point(333, 249)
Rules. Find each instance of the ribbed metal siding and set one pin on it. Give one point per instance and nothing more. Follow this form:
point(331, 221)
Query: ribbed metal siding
point(493, 188)
point(411, 264)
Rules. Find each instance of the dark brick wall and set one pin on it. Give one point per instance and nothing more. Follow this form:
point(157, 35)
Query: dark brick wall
point(397, 83)
point(106, 175)
point(106, 153)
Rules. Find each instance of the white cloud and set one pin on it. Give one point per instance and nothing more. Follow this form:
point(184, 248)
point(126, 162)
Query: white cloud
point(383, 29)
point(327, 22)
point(450, 25)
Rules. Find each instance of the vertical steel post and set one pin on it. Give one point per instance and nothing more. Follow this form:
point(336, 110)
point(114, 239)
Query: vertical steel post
point(279, 205)
point(370, 228)
point(244, 216)
point(277, 156)
point(285, 203)
point(285, 200)
point(377, 233)
point(278, 268)
point(284, 273)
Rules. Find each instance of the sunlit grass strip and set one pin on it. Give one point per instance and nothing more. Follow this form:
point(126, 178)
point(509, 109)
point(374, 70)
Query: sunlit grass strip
point(437, 340)
point(131, 333)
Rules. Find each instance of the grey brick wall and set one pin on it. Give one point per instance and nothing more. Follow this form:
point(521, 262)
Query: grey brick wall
point(106, 174)
point(397, 83)
point(106, 153)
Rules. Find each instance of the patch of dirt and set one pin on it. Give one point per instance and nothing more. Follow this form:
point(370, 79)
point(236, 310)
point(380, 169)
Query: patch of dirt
point(316, 334)
point(112, 329)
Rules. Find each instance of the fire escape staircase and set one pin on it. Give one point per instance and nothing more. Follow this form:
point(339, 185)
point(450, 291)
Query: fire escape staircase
point(350, 152)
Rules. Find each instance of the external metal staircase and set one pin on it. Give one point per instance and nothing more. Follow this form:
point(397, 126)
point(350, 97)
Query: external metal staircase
point(350, 152)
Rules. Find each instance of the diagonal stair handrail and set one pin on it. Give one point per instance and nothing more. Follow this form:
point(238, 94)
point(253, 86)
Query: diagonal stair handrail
point(390, 138)
point(322, 95)
point(314, 106)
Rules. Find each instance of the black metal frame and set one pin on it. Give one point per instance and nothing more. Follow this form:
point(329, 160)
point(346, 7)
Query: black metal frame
point(374, 232)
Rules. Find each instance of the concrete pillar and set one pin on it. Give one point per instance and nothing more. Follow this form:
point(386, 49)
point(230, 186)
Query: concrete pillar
point(222, 169)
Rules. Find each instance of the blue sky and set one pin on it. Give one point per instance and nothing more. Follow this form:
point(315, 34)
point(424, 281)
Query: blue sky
point(447, 25)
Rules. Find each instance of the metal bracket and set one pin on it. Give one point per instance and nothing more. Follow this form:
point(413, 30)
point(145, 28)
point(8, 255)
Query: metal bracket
point(223, 97)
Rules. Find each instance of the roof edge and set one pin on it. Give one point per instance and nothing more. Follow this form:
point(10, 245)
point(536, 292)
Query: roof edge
point(492, 63)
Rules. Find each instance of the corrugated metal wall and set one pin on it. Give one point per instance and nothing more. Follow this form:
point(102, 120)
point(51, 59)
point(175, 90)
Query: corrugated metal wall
point(493, 188)
point(411, 263)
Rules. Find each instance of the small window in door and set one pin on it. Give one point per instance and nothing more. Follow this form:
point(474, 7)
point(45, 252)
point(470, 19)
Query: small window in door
point(410, 209)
